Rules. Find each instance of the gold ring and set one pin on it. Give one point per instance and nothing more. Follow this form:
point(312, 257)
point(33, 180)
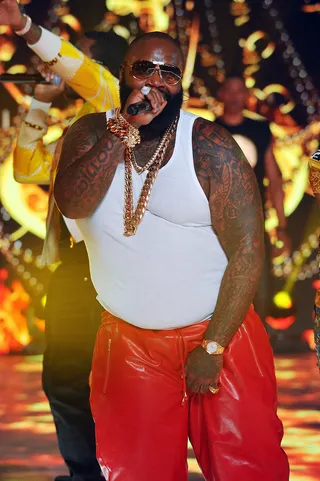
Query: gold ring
point(213, 390)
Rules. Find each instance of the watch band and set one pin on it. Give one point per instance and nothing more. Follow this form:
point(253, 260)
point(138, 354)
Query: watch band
point(219, 349)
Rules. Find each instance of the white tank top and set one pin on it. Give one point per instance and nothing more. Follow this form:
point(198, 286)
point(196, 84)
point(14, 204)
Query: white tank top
point(168, 275)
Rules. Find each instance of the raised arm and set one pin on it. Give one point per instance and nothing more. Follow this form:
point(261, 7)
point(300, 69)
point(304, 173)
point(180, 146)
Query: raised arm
point(236, 211)
point(89, 157)
point(32, 159)
point(92, 81)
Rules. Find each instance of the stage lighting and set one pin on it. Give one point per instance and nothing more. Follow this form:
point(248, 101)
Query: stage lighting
point(282, 300)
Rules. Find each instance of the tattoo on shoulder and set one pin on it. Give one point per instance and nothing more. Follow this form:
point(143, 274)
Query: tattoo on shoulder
point(225, 175)
point(80, 137)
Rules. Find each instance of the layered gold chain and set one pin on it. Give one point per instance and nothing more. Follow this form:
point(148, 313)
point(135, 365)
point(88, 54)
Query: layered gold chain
point(132, 218)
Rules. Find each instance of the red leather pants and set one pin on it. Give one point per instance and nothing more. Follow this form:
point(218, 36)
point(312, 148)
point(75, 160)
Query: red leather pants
point(144, 417)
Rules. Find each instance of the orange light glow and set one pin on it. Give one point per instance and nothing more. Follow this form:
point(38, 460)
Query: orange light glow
point(281, 323)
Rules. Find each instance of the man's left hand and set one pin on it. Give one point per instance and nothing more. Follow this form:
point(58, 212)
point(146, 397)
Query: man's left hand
point(203, 370)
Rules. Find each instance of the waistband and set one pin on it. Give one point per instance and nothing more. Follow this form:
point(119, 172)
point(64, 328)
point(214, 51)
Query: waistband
point(191, 330)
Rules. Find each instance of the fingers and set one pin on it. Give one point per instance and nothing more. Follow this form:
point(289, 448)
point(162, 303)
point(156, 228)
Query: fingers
point(203, 387)
point(46, 73)
point(157, 100)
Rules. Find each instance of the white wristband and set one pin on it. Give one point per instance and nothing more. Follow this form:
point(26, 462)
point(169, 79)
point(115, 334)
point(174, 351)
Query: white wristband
point(26, 28)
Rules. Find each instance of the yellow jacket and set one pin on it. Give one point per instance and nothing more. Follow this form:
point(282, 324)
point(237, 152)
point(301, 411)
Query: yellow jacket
point(93, 82)
point(33, 160)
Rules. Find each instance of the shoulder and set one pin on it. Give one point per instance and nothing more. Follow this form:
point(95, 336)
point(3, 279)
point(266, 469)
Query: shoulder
point(212, 138)
point(88, 125)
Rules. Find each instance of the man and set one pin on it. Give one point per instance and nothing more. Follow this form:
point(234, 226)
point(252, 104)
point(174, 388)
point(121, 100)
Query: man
point(72, 312)
point(255, 139)
point(314, 178)
point(175, 256)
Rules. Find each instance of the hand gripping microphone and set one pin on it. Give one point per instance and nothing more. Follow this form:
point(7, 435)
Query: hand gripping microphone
point(142, 106)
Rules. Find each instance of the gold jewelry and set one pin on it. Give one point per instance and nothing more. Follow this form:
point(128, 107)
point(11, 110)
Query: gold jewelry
point(214, 390)
point(33, 126)
point(314, 176)
point(129, 135)
point(212, 348)
point(159, 148)
point(133, 218)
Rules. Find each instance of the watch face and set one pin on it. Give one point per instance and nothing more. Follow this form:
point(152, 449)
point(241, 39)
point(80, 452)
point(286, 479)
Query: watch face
point(212, 347)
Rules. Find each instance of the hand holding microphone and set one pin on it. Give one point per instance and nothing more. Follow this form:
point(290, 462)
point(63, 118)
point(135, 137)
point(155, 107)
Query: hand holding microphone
point(141, 107)
point(144, 105)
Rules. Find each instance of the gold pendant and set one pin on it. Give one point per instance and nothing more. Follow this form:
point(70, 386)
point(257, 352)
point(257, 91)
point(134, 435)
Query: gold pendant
point(130, 229)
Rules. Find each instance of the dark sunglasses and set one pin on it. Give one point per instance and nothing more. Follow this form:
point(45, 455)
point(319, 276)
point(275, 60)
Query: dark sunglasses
point(143, 69)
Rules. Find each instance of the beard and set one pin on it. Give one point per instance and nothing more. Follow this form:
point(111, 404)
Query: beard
point(159, 124)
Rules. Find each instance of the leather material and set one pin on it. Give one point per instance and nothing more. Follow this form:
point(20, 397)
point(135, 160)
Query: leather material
point(144, 417)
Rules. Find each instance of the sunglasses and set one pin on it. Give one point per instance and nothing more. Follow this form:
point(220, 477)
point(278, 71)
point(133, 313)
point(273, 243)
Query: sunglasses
point(144, 69)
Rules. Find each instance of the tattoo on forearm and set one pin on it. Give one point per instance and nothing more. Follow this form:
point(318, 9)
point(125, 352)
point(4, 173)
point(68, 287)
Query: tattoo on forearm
point(89, 158)
point(236, 211)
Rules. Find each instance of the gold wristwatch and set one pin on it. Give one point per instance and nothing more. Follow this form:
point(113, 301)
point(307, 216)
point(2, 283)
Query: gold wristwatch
point(213, 348)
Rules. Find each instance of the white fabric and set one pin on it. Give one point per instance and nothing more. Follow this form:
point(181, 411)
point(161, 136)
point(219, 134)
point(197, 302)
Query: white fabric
point(38, 105)
point(73, 229)
point(168, 275)
point(48, 46)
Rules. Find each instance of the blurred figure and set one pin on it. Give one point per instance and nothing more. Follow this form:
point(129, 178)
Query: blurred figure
point(255, 139)
point(72, 312)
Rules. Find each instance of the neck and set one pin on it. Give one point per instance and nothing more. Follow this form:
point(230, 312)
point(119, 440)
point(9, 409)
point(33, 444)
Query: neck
point(233, 118)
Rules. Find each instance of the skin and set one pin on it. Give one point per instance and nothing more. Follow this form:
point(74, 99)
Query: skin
point(234, 95)
point(88, 162)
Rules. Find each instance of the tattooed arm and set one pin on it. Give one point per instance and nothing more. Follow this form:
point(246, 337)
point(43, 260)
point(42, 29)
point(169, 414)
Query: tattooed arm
point(237, 218)
point(89, 158)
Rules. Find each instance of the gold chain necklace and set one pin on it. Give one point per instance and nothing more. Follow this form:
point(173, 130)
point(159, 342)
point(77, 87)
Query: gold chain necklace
point(133, 218)
point(140, 169)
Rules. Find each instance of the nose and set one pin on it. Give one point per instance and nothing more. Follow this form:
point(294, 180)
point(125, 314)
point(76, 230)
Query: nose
point(156, 79)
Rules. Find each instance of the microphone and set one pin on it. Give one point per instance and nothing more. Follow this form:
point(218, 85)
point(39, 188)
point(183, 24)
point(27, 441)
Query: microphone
point(144, 105)
point(139, 107)
point(27, 78)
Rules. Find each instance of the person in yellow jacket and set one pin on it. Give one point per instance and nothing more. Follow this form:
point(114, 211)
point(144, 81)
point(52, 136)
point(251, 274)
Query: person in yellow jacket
point(72, 312)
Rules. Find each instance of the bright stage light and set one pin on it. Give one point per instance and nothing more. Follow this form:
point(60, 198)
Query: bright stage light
point(282, 300)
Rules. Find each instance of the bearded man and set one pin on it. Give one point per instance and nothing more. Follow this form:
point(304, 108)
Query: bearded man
point(171, 215)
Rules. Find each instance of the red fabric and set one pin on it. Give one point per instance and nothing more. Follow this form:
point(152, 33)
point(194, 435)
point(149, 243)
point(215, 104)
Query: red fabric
point(143, 419)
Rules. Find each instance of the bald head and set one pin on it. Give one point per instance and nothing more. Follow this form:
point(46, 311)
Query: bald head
point(157, 47)
point(233, 94)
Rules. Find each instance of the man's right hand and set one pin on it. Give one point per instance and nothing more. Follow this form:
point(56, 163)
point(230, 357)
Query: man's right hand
point(158, 103)
point(10, 14)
